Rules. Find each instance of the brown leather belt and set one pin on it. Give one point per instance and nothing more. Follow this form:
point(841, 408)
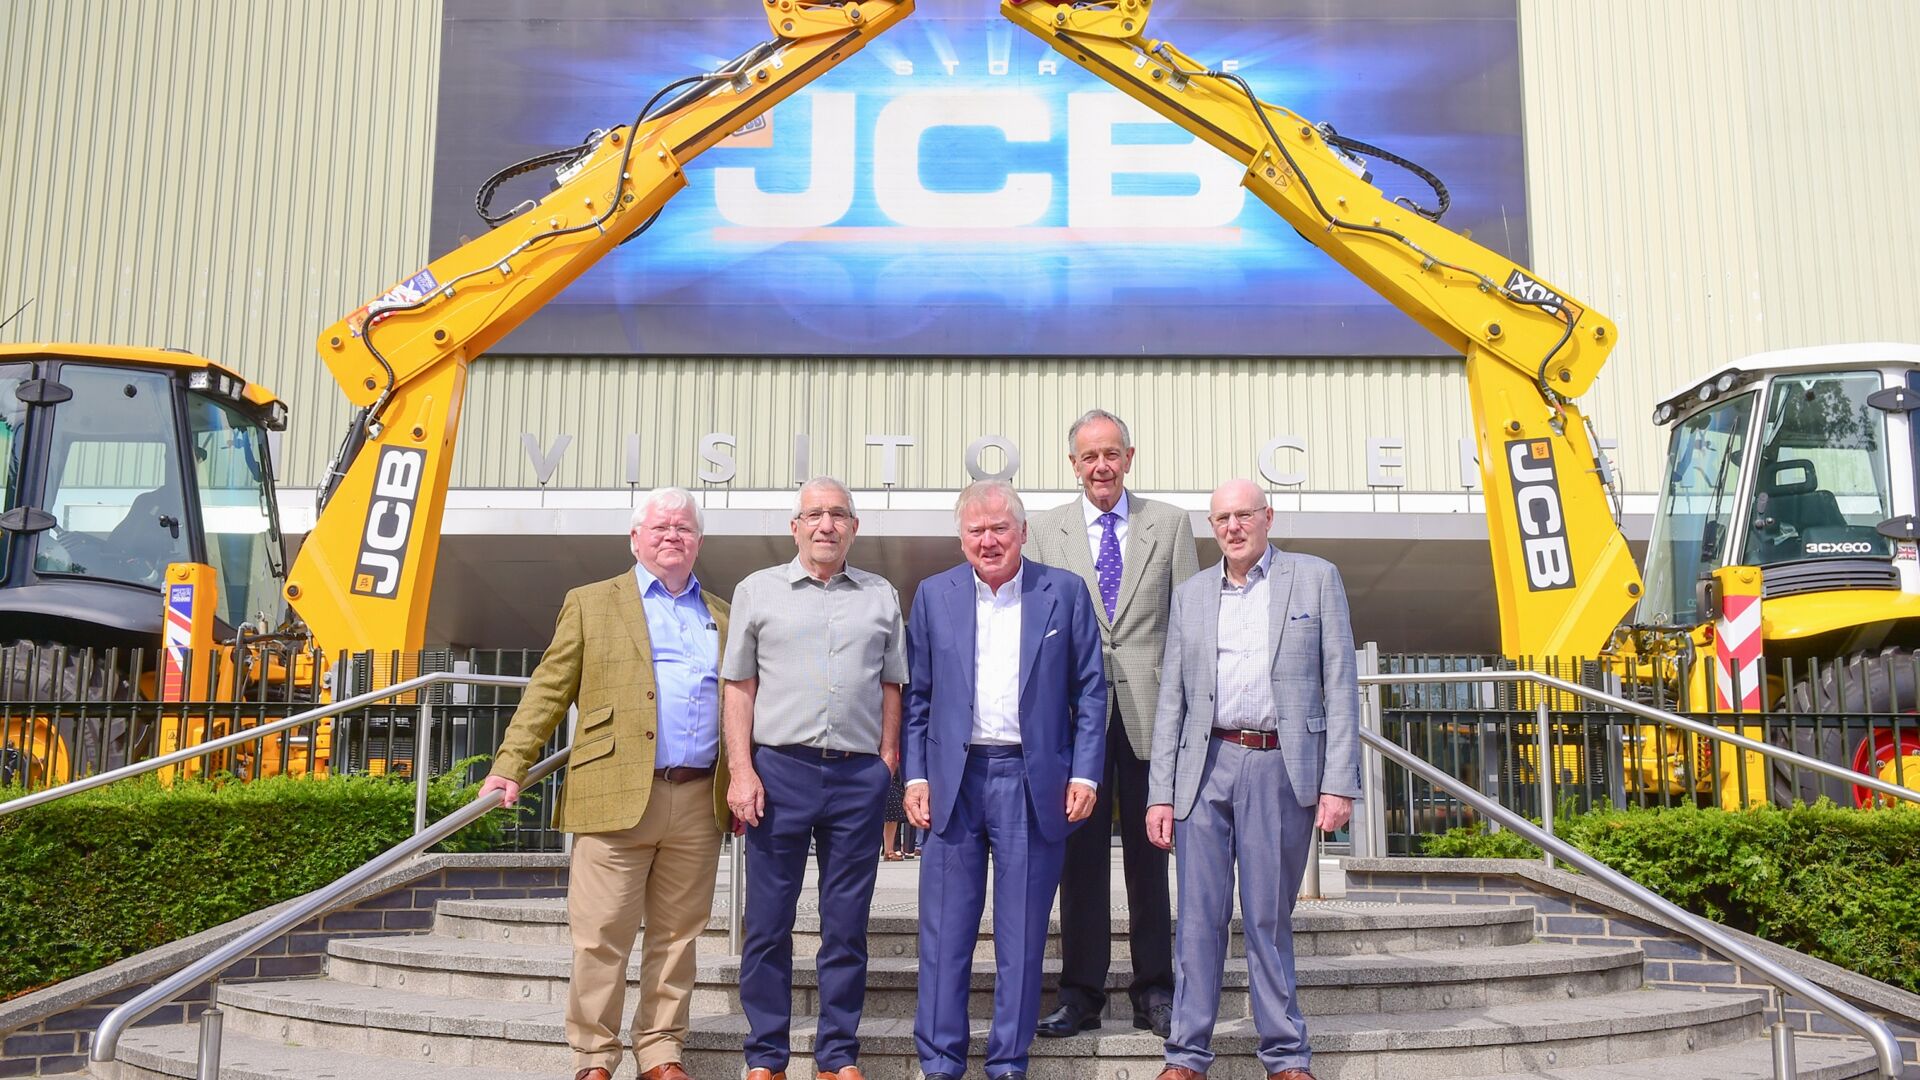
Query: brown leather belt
point(1252, 740)
point(683, 774)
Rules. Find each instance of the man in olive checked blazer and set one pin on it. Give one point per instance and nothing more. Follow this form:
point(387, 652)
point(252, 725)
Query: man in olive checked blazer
point(645, 790)
point(1131, 552)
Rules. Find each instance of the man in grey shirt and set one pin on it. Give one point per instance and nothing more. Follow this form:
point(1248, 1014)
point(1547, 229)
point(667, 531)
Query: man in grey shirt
point(813, 669)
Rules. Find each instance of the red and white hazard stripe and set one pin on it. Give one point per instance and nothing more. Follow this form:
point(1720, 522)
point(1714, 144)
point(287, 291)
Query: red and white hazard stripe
point(1736, 654)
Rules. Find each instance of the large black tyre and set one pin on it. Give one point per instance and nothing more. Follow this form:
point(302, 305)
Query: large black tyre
point(1881, 682)
point(91, 740)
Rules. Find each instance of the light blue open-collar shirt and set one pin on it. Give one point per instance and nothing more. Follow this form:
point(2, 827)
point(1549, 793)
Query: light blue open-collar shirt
point(1245, 676)
point(686, 672)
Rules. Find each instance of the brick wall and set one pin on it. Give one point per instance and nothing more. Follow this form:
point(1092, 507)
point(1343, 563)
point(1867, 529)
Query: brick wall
point(1674, 960)
point(59, 1043)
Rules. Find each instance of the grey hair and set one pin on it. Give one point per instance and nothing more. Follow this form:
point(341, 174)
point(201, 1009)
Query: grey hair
point(818, 483)
point(668, 498)
point(984, 491)
point(1088, 417)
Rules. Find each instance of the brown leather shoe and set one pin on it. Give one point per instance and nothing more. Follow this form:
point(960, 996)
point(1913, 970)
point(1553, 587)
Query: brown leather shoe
point(851, 1072)
point(766, 1074)
point(1180, 1072)
point(672, 1070)
point(594, 1073)
point(1291, 1074)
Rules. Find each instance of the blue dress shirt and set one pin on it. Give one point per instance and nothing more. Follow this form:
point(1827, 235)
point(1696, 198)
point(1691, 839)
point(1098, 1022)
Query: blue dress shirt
point(686, 672)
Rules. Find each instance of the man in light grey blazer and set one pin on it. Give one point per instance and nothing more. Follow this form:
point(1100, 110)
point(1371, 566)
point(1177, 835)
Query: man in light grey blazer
point(1131, 552)
point(1255, 744)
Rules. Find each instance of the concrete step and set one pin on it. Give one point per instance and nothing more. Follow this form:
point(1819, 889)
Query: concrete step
point(1363, 982)
point(1320, 928)
point(169, 1052)
point(435, 1031)
point(1814, 1059)
point(163, 1053)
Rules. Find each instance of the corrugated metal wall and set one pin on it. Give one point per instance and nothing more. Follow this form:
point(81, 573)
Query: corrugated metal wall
point(1723, 177)
point(1720, 176)
point(222, 176)
point(1195, 422)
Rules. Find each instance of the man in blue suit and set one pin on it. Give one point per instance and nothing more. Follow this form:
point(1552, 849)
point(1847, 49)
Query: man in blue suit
point(1004, 732)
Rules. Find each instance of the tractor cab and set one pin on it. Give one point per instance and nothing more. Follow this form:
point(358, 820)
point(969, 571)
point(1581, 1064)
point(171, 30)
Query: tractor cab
point(118, 462)
point(1800, 463)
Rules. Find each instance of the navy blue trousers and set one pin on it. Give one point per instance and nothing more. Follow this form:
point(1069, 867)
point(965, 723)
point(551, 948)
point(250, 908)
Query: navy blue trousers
point(992, 815)
point(839, 805)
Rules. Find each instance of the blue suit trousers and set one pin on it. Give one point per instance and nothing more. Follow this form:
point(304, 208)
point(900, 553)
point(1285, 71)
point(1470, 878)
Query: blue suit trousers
point(992, 817)
point(838, 805)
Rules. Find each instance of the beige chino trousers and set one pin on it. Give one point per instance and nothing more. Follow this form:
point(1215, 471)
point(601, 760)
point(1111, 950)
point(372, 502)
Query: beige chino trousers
point(660, 873)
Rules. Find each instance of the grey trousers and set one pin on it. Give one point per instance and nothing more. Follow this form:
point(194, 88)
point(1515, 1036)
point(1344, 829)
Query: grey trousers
point(1246, 816)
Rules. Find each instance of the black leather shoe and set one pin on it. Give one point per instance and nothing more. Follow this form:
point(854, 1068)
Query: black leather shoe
point(941, 1076)
point(1157, 1018)
point(1064, 1021)
point(1015, 1075)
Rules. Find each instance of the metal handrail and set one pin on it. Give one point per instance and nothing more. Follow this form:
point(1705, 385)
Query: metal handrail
point(106, 1038)
point(250, 734)
point(1707, 933)
point(1648, 712)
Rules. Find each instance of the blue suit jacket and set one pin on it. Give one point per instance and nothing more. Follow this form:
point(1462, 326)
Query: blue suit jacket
point(1063, 689)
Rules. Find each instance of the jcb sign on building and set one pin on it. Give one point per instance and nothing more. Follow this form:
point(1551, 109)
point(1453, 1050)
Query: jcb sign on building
point(959, 190)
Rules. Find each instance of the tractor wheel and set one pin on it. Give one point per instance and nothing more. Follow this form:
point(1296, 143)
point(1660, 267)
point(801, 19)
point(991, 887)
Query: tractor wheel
point(1881, 682)
point(1895, 760)
point(47, 744)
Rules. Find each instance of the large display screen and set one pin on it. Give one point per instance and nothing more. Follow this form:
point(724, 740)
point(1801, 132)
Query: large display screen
point(958, 189)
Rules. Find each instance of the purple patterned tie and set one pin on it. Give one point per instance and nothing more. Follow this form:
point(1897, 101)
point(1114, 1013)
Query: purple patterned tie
point(1108, 564)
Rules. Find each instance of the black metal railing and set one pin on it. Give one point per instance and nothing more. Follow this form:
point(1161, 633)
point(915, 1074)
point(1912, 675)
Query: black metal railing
point(70, 714)
point(1856, 712)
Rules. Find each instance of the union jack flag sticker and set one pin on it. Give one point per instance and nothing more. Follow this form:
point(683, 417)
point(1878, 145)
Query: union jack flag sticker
point(179, 637)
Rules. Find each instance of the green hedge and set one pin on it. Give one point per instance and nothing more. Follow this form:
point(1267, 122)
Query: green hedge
point(104, 875)
point(1842, 885)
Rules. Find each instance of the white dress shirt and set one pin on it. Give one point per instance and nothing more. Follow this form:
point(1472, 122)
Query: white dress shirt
point(996, 666)
point(1094, 529)
point(996, 662)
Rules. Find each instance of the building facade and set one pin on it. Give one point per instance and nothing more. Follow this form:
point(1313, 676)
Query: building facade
point(1720, 178)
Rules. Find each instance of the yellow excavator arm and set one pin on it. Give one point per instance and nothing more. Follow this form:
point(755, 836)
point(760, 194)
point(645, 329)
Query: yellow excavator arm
point(1562, 569)
point(363, 575)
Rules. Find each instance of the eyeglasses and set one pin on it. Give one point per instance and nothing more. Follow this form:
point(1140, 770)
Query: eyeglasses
point(661, 532)
point(1244, 517)
point(840, 516)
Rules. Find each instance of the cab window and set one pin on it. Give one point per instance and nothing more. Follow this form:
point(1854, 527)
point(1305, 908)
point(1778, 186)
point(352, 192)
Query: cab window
point(114, 486)
point(1823, 483)
point(243, 543)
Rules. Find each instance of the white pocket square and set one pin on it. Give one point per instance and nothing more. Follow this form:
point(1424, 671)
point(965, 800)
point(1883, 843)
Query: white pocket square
point(1050, 633)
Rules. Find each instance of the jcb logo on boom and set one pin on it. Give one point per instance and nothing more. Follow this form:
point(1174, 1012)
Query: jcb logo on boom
point(383, 545)
point(1532, 292)
point(1543, 528)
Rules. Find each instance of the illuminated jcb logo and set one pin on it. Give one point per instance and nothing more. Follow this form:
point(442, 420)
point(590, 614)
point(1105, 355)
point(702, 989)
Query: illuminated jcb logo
point(1543, 528)
point(911, 126)
point(383, 546)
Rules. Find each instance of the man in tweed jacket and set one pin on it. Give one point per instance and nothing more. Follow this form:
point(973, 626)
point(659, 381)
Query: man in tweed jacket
point(1131, 552)
point(1256, 744)
point(640, 655)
